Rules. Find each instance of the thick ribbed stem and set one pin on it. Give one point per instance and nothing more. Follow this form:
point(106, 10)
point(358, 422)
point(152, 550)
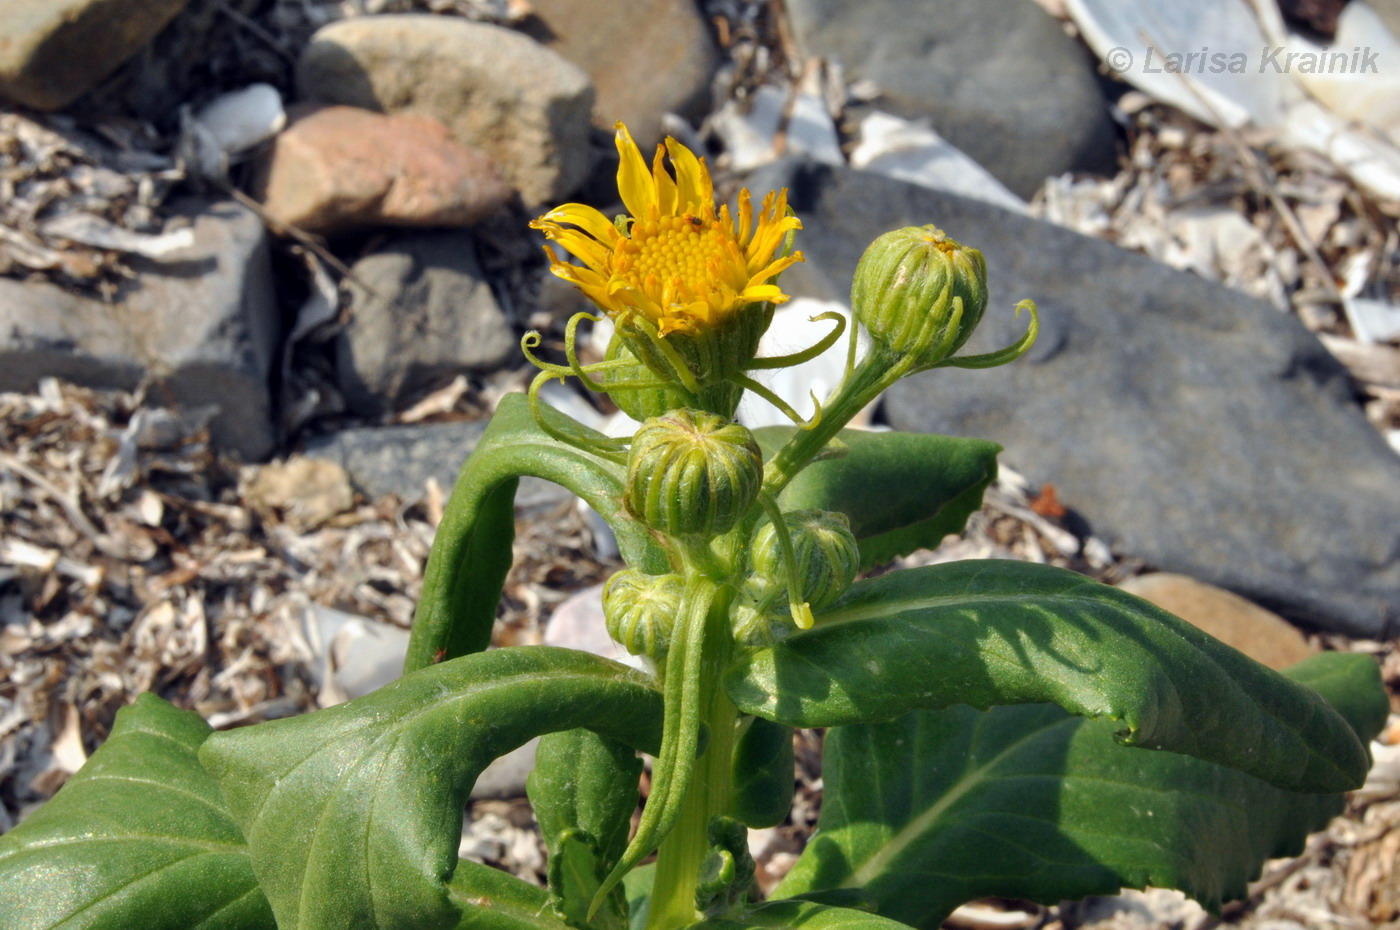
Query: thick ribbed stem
point(683, 850)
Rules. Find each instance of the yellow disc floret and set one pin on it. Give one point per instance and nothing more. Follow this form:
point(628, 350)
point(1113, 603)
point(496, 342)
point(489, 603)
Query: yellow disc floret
point(676, 261)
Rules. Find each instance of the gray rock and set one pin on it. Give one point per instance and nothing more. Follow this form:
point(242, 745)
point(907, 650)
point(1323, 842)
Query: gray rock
point(1191, 425)
point(53, 51)
point(202, 325)
point(998, 78)
point(399, 460)
point(497, 90)
point(428, 314)
point(208, 38)
point(663, 38)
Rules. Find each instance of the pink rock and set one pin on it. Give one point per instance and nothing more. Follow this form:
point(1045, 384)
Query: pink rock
point(337, 168)
point(1262, 635)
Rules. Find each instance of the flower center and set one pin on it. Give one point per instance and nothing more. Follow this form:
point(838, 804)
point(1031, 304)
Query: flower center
point(686, 250)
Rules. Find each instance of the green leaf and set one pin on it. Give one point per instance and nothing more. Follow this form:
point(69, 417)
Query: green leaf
point(584, 789)
point(576, 872)
point(941, 807)
point(805, 914)
point(637, 885)
point(988, 633)
point(472, 551)
point(587, 782)
point(138, 837)
point(494, 900)
point(353, 814)
point(902, 491)
point(761, 795)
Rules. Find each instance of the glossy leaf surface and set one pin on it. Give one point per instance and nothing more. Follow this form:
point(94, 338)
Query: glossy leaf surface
point(990, 633)
point(901, 491)
point(472, 550)
point(139, 837)
point(764, 773)
point(940, 807)
point(353, 814)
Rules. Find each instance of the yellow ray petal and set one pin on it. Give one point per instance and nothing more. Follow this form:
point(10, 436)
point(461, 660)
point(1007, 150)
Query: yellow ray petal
point(586, 280)
point(697, 193)
point(592, 252)
point(584, 217)
point(775, 268)
point(634, 181)
point(665, 186)
point(745, 229)
point(764, 293)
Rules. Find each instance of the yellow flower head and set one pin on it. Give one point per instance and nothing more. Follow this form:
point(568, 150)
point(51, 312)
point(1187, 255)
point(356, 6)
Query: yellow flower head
point(676, 261)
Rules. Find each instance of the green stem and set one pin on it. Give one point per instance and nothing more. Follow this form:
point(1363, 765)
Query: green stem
point(684, 848)
point(876, 372)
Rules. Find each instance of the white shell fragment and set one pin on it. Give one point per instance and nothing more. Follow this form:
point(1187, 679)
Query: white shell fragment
point(1232, 63)
point(912, 151)
point(750, 130)
point(241, 119)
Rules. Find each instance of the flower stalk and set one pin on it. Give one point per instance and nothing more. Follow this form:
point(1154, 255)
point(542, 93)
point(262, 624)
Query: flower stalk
point(690, 289)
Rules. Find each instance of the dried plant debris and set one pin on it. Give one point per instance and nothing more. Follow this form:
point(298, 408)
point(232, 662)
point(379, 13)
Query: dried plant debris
point(133, 558)
point(76, 205)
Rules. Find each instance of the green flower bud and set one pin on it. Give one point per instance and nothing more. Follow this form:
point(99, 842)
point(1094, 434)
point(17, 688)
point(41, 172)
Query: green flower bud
point(920, 293)
point(759, 615)
point(824, 549)
point(640, 610)
point(692, 473)
point(642, 403)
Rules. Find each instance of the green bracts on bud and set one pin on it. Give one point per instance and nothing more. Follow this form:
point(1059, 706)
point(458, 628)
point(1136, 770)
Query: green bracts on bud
point(825, 551)
point(641, 393)
point(640, 610)
point(920, 293)
point(692, 474)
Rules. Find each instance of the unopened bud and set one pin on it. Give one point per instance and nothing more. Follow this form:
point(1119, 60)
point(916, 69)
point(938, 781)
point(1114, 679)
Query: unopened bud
point(692, 473)
point(825, 551)
point(920, 293)
point(640, 610)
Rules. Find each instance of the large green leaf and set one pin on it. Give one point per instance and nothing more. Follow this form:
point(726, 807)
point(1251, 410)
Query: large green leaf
point(902, 491)
point(584, 789)
point(939, 807)
point(353, 814)
point(472, 551)
point(494, 900)
point(805, 914)
point(764, 777)
point(583, 781)
point(988, 633)
point(139, 837)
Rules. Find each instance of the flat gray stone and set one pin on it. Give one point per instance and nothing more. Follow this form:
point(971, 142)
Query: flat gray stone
point(1190, 425)
point(399, 460)
point(53, 51)
point(497, 90)
point(663, 38)
point(998, 78)
point(202, 325)
point(424, 315)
